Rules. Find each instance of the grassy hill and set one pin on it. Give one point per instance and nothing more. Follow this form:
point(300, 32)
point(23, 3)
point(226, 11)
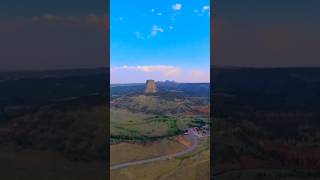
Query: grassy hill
point(152, 104)
point(194, 165)
point(139, 116)
point(134, 126)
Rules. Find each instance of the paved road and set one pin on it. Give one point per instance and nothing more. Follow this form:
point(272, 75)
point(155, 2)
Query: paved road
point(191, 137)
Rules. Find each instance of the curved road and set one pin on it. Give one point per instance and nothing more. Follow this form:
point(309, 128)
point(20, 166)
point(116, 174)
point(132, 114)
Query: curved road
point(191, 137)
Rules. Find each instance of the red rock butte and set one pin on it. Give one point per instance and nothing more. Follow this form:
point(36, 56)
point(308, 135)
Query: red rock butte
point(150, 87)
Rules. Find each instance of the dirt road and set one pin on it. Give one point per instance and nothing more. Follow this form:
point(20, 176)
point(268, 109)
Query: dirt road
point(191, 137)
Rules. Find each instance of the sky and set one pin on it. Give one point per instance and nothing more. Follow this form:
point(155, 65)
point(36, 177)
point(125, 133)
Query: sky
point(160, 40)
point(152, 36)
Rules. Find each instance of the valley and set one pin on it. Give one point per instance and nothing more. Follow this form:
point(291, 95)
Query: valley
point(152, 130)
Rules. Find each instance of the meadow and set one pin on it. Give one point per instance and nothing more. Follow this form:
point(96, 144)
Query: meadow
point(127, 125)
point(124, 152)
point(194, 165)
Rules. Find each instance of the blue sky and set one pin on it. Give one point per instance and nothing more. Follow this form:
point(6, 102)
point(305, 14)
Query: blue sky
point(160, 40)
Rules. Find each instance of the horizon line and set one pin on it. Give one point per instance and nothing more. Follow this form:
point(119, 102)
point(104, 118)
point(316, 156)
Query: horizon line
point(108, 67)
point(207, 82)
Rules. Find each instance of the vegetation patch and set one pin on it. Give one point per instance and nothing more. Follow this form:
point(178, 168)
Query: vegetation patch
point(173, 127)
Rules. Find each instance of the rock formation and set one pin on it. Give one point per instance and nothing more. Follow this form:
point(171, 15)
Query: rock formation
point(150, 87)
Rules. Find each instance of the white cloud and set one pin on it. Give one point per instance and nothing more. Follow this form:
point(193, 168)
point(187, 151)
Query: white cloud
point(163, 69)
point(205, 8)
point(155, 30)
point(131, 74)
point(159, 14)
point(198, 73)
point(177, 7)
point(152, 10)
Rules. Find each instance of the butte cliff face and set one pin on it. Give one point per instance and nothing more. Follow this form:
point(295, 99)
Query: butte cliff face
point(150, 87)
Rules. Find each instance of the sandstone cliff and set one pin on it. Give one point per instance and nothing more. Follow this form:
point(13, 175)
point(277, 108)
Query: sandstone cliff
point(150, 87)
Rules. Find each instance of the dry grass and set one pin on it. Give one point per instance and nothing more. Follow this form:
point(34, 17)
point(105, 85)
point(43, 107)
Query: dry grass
point(193, 166)
point(125, 152)
point(144, 172)
point(124, 122)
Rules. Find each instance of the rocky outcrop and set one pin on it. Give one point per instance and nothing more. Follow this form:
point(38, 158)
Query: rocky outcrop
point(150, 87)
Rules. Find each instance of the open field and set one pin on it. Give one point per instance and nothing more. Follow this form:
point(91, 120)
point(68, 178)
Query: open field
point(133, 125)
point(127, 123)
point(194, 165)
point(125, 152)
